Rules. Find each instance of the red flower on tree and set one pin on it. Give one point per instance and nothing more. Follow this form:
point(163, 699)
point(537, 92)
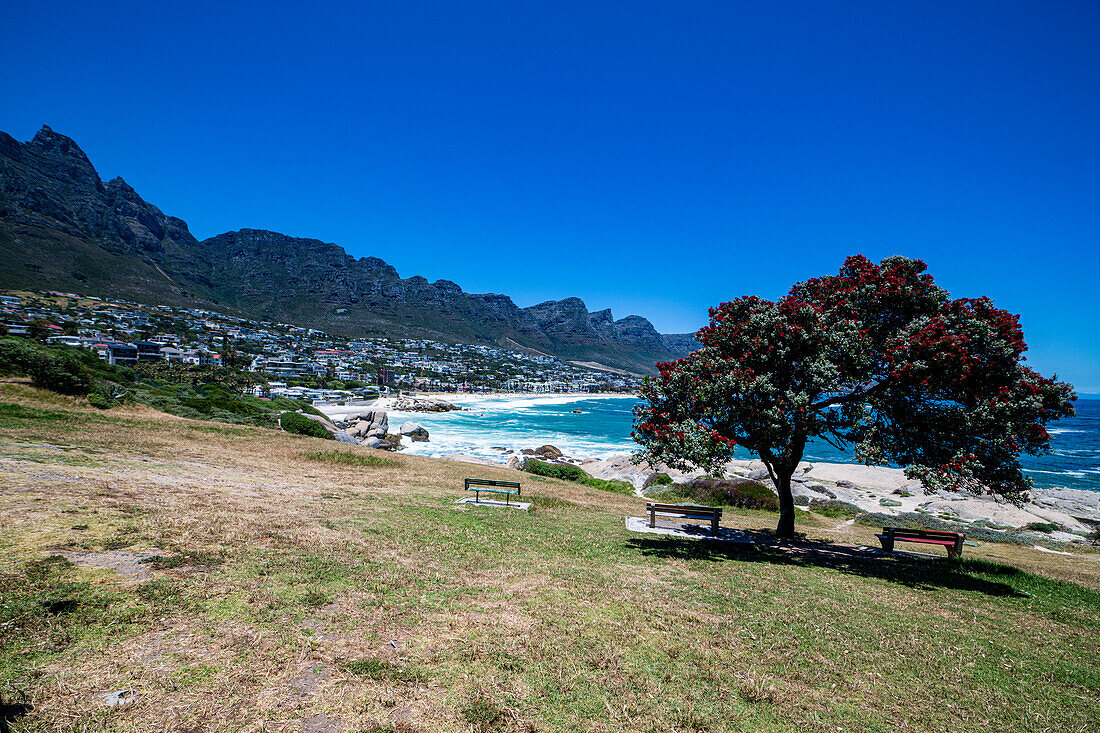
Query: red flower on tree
point(876, 356)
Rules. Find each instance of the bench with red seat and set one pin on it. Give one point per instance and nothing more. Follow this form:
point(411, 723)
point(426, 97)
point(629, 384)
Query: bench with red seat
point(953, 541)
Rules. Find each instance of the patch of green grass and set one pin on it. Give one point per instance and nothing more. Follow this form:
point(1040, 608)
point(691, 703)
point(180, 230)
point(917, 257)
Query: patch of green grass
point(548, 502)
point(219, 430)
point(316, 599)
point(14, 416)
point(47, 568)
point(194, 675)
point(183, 559)
point(347, 458)
point(484, 713)
point(384, 671)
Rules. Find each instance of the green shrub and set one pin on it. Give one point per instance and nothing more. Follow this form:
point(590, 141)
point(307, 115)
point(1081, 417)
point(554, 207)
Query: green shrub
point(565, 472)
point(48, 367)
point(100, 400)
point(614, 485)
point(739, 493)
point(15, 356)
point(213, 398)
point(1046, 527)
point(662, 479)
point(292, 422)
point(59, 372)
point(975, 531)
point(835, 509)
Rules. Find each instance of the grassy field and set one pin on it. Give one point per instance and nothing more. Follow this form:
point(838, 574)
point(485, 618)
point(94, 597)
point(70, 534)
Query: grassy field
point(238, 578)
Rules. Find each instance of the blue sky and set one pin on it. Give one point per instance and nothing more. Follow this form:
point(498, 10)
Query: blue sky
point(654, 158)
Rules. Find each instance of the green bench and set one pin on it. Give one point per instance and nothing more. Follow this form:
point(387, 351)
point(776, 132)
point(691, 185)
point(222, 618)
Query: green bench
point(478, 485)
point(684, 511)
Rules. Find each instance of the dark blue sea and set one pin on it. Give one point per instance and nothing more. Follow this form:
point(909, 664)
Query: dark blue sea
point(1074, 464)
point(597, 428)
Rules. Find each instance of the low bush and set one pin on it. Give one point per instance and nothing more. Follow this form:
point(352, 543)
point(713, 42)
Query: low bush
point(613, 485)
point(15, 356)
point(835, 509)
point(59, 372)
point(565, 472)
point(740, 493)
point(1046, 527)
point(292, 422)
point(975, 531)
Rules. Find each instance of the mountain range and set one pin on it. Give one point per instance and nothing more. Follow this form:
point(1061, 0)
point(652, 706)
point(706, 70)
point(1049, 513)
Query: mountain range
point(63, 228)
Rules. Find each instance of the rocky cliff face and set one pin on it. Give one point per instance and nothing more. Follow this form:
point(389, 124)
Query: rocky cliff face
point(62, 227)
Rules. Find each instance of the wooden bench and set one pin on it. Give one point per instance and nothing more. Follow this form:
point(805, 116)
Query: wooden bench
point(953, 541)
point(684, 511)
point(477, 485)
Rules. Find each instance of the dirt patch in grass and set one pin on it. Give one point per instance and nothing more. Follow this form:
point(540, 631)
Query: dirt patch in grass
point(124, 562)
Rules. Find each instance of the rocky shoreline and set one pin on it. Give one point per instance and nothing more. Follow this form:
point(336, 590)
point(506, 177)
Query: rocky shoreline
point(370, 426)
point(1064, 515)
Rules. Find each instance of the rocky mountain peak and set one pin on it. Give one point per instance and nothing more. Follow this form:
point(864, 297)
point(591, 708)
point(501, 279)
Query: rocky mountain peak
point(49, 141)
point(64, 225)
point(122, 189)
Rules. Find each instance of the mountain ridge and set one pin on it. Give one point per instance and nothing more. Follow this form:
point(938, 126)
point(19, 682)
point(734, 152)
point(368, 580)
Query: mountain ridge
point(62, 227)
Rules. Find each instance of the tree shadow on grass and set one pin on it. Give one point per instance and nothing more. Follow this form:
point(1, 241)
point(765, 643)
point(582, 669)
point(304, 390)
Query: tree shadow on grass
point(925, 573)
point(10, 711)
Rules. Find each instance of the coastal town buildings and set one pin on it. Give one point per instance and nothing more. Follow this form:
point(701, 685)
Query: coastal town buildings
point(297, 361)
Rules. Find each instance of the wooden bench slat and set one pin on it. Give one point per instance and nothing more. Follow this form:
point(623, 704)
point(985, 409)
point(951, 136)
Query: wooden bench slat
point(684, 511)
point(951, 540)
point(478, 485)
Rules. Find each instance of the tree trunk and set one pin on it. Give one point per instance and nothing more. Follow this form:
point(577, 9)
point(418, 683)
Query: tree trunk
point(785, 529)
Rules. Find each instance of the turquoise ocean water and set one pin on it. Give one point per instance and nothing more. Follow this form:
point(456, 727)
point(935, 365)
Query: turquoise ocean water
point(602, 426)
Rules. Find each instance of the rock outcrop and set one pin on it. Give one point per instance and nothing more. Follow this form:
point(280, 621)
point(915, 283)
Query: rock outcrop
point(413, 430)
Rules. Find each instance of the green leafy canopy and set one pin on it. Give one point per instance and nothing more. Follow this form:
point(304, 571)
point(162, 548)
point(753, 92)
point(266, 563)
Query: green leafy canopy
point(877, 357)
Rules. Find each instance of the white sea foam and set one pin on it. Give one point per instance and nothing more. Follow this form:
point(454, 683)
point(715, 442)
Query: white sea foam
point(488, 424)
point(1075, 474)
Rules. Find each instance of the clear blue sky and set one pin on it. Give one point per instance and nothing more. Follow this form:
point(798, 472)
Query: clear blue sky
point(654, 158)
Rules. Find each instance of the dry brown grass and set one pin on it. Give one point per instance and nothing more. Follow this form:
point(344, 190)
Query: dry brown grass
point(295, 594)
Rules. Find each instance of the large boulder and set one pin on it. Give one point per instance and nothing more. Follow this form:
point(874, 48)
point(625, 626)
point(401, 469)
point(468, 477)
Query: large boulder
point(343, 437)
point(414, 430)
point(375, 419)
point(549, 452)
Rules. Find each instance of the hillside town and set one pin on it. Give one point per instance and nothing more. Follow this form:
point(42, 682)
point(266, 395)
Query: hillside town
point(297, 361)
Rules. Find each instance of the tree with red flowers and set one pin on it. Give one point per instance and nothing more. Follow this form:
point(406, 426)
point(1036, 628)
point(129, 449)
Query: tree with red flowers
point(877, 357)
